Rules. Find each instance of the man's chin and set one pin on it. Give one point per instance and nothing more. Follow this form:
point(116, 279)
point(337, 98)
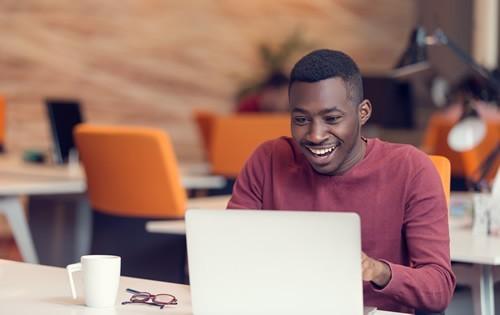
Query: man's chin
point(326, 169)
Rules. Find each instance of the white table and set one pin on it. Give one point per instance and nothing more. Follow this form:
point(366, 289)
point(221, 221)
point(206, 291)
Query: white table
point(481, 254)
point(476, 257)
point(19, 178)
point(178, 226)
point(36, 289)
point(194, 175)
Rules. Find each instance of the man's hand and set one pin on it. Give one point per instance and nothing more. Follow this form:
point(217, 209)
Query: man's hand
point(375, 271)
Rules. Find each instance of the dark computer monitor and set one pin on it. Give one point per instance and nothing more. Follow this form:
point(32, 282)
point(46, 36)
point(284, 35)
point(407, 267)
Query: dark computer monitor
point(391, 100)
point(64, 115)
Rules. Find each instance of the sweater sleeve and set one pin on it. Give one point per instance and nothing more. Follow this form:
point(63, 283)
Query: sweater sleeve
point(428, 283)
point(248, 188)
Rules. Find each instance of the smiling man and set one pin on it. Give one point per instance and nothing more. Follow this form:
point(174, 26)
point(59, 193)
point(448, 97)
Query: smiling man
point(329, 166)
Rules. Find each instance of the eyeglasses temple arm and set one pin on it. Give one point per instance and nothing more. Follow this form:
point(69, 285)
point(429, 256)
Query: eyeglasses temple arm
point(129, 290)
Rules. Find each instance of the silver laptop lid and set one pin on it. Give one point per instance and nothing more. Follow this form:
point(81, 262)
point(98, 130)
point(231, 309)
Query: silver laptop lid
point(274, 262)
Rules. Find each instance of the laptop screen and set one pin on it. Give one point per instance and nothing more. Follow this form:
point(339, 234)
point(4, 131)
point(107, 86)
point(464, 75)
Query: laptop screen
point(250, 262)
point(64, 115)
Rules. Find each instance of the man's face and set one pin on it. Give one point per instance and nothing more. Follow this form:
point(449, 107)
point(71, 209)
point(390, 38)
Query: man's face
point(326, 124)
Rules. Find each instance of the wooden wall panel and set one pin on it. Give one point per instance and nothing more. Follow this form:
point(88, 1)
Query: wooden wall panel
point(153, 61)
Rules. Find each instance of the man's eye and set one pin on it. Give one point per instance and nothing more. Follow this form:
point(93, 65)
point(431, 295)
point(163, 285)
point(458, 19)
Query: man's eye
point(300, 120)
point(332, 119)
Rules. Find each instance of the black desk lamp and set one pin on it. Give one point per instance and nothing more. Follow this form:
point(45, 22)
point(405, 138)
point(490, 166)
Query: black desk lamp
point(415, 59)
point(470, 130)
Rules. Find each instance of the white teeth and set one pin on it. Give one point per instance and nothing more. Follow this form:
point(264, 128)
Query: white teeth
point(321, 151)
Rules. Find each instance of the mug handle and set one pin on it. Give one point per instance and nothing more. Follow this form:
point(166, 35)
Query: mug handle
point(73, 268)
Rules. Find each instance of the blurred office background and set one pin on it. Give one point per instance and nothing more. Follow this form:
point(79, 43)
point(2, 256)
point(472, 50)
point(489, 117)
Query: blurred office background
point(154, 62)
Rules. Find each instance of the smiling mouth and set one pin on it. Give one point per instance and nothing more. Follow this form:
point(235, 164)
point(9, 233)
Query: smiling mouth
point(322, 152)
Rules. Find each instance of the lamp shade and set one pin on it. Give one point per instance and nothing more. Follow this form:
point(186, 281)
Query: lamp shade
point(467, 134)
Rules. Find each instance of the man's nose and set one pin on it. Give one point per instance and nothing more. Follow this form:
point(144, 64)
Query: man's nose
point(317, 133)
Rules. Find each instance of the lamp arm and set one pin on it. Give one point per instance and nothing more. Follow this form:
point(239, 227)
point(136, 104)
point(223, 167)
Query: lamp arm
point(488, 163)
point(441, 38)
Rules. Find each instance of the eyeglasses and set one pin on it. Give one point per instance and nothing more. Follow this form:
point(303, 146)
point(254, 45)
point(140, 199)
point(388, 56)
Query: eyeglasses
point(159, 300)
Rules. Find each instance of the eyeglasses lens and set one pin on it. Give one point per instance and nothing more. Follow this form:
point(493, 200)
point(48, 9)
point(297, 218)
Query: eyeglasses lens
point(164, 299)
point(140, 297)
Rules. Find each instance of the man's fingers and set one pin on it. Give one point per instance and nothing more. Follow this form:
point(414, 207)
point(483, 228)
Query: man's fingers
point(367, 267)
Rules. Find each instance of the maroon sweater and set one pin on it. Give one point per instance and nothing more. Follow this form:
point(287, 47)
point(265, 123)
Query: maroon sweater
point(397, 192)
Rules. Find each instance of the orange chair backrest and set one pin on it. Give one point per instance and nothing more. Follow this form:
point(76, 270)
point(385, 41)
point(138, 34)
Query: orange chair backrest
point(463, 164)
point(443, 167)
point(3, 115)
point(235, 137)
point(436, 142)
point(131, 171)
point(204, 121)
point(474, 158)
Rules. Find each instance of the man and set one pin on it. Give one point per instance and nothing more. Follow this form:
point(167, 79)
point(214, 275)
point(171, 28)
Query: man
point(329, 166)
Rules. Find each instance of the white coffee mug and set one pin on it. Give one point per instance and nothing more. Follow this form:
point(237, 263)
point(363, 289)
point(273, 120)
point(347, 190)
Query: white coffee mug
point(101, 277)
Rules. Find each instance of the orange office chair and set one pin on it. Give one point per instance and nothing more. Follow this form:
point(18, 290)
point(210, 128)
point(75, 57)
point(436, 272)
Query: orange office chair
point(3, 110)
point(133, 177)
point(443, 167)
point(474, 158)
point(204, 121)
point(235, 137)
point(435, 142)
point(463, 164)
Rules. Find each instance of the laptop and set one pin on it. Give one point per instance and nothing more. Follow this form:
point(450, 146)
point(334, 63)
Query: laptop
point(274, 262)
point(63, 115)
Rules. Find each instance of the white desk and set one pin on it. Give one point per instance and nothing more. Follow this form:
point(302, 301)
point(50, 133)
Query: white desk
point(178, 226)
point(35, 289)
point(194, 176)
point(19, 178)
point(482, 254)
point(476, 257)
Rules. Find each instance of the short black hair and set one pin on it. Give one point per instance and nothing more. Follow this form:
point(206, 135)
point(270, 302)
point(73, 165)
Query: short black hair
point(324, 64)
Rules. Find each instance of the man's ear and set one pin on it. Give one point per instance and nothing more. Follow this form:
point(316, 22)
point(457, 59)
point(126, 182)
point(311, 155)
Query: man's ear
point(364, 111)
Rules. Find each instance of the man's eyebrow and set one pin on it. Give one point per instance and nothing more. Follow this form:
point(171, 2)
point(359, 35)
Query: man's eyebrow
point(322, 112)
point(300, 110)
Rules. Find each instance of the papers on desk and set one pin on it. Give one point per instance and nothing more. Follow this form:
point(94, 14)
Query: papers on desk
point(477, 211)
point(482, 214)
point(487, 210)
point(495, 206)
point(461, 210)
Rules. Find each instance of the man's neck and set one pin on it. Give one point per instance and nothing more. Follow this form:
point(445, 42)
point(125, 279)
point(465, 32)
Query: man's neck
point(357, 154)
